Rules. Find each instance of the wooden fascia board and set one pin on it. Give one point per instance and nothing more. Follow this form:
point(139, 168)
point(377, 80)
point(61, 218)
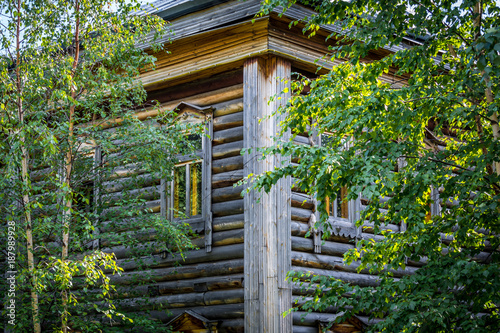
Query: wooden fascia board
point(212, 52)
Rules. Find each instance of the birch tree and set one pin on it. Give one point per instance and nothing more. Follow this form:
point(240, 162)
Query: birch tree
point(70, 89)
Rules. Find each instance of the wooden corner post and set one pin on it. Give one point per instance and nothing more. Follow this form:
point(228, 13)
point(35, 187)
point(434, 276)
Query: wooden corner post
point(267, 216)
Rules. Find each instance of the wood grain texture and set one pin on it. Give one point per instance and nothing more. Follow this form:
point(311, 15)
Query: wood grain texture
point(267, 220)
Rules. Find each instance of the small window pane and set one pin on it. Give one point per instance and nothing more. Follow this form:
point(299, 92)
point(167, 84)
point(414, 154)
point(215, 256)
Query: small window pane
point(179, 190)
point(195, 189)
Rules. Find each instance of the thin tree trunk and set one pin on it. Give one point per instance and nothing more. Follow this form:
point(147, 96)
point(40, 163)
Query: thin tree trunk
point(68, 165)
point(478, 10)
point(26, 180)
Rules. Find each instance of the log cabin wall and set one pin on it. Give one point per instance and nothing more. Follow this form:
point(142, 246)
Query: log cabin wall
point(230, 63)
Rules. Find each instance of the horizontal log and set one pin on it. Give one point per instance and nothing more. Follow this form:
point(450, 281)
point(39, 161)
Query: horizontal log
point(228, 222)
point(227, 150)
point(213, 312)
point(150, 207)
point(336, 263)
point(147, 193)
point(363, 280)
point(216, 297)
point(301, 214)
point(228, 135)
point(227, 164)
point(181, 287)
point(227, 193)
point(225, 108)
point(172, 287)
point(218, 268)
point(233, 325)
point(301, 140)
point(312, 319)
point(234, 251)
point(227, 237)
point(300, 200)
point(225, 179)
point(299, 229)
point(228, 121)
point(227, 208)
point(368, 227)
point(305, 329)
point(130, 182)
point(327, 247)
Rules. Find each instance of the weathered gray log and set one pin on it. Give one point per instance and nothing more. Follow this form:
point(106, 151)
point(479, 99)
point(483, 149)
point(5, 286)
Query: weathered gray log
point(363, 280)
point(122, 252)
point(227, 208)
point(227, 193)
point(305, 329)
point(330, 262)
point(217, 268)
point(225, 179)
point(233, 106)
point(299, 228)
point(300, 200)
point(234, 251)
point(128, 182)
point(229, 222)
point(233, 325)
point(217, 297)
point(150, 206)
point(228, 121)
point(174, 287)
point(368, 227)
point(203, 284)
point(312, 319)
point(228, 135)
point(228, 237)
point(147, 193)
point(227, 164)
point(328, 248)
point(227, 150)
point(301, 214)
point(302, 140)
point(213, 312)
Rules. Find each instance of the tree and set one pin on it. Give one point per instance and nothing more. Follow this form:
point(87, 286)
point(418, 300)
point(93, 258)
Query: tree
point(69, 94)
point(432, 141)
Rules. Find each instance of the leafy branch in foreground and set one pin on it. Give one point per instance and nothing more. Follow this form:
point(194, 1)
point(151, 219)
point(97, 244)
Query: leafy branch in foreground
point(68, 71)
point(432, 141)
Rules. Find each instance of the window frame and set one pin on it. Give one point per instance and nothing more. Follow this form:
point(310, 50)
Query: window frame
point(204, 155)
point(353, 206)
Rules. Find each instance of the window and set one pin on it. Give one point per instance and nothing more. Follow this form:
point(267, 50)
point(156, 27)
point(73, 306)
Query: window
point(338, 207)
point(188, 195)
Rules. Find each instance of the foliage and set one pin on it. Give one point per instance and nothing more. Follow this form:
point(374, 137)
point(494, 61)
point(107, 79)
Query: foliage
point(69, 86)
point(444, 93)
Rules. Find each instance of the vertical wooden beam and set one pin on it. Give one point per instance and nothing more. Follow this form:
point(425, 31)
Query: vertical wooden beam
point(96, 194)
point(267, 215)
point(207, 183)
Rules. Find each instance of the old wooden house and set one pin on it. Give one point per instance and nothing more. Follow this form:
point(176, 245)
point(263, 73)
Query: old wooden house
point(225, 64)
